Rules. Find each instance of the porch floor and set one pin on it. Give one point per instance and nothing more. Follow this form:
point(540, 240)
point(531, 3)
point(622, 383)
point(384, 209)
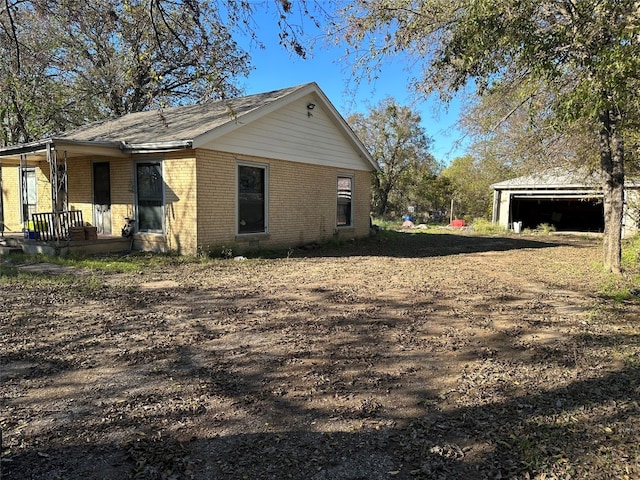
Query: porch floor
point(12, 242)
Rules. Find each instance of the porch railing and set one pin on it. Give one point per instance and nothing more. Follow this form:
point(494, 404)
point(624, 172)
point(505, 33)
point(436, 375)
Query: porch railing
point(54, 225)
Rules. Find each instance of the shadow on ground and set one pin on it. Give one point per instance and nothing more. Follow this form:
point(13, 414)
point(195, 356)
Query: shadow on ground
point(497, 440)
point(321, 370)
point(407, 244)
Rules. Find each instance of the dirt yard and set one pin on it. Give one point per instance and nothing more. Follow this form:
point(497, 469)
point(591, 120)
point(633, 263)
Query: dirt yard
point(405, 357)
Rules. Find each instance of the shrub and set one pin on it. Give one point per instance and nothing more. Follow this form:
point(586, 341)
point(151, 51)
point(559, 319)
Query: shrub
point(546, 228)
point(485, 227)
point(631, 253)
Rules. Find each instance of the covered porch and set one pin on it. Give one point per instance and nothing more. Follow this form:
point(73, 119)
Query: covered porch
point(44, 209)
point(103, 244)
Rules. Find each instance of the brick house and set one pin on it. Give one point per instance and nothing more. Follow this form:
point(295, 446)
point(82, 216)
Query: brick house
point(271, 170)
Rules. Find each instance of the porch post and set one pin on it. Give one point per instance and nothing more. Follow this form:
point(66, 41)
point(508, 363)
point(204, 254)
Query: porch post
point(63, 179)
point(53, 177)
point(58, 226)
point(24, 191)
point(495, 214)
point(1, 204)
point(58, 174)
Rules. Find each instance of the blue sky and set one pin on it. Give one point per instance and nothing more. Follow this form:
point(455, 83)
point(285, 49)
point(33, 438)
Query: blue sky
point(277, 68)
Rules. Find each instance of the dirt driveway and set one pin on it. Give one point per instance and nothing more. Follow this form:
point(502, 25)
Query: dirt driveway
point(409, 356)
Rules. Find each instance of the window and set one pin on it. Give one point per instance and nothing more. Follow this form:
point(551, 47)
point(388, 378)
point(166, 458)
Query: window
point(29, 195)
point(150, 206)
point(345, 191)
point(252, 211)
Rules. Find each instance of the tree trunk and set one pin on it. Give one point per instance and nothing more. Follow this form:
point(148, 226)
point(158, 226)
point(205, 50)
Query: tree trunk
point(612, 163)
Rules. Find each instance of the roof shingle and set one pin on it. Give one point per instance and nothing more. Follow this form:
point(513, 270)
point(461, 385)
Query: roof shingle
point(174, 124)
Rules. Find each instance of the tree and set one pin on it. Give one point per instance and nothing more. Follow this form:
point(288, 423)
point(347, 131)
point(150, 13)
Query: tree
point(68, 62)
point(525, 140)
point(30, 96)
point(586, 52)
point(398, 142)
point(432, 193)
point(471, 180)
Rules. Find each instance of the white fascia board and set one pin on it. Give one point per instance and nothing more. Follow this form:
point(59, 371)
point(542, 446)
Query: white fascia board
point(556, 193)
point(358, 145)
point(157, 147)
point(14, 151)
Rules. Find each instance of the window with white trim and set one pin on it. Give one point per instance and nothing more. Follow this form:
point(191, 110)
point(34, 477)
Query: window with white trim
point(344, 216)
point(150, 197)
point(252, 198)
point(28, 192)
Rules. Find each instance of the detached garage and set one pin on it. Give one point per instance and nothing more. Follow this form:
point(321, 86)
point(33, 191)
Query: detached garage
point(568, 200)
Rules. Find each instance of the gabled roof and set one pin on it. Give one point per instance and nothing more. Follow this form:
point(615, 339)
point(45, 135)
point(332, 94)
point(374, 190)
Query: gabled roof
point(175, 124)
point(189, 126)
point(556, 177)
point(559, 178)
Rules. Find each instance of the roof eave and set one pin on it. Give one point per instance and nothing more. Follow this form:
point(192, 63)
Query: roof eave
point(157, 147)
point(24, 148)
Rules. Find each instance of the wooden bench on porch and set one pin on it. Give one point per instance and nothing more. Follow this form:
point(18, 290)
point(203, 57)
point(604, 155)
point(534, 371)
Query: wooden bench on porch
point(52, 226)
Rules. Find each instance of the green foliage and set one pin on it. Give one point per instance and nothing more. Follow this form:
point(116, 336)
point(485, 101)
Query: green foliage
point(431, 195)
point(511, 128)
point(626, 287)
point(66, 63)
point(470, 181)
point(472, 194)
point(586, 55)
point(105, 264)
point(218, 251)
point(394, 136)
point(483, 226)
point(546, 228)
point(387, 224)
point(631, 253)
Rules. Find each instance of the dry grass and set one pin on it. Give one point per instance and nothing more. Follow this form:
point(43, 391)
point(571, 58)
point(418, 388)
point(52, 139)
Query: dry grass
point(408, 356)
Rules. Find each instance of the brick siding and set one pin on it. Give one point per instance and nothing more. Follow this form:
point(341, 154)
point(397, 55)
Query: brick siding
point(200, 200)
point(302, 203)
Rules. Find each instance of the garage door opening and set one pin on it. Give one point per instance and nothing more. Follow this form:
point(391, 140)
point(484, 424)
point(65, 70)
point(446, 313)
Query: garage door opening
point(573, 214)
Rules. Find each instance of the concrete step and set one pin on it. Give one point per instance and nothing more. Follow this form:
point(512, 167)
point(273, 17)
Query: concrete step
point(7, 250)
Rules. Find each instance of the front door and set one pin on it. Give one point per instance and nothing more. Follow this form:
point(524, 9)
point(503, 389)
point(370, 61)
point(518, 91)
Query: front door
point(102, 197)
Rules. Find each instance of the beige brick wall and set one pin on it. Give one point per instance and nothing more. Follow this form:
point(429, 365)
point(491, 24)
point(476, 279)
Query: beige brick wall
point(44, 187)
point(11, 194)
point(216, 205)
point(180, 205)
point(11, 199)
point(80, 186)
point(181, 214)
point(301, 209)
point(200, 209)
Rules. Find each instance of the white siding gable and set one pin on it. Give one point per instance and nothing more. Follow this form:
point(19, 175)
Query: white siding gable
point(295, 133)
